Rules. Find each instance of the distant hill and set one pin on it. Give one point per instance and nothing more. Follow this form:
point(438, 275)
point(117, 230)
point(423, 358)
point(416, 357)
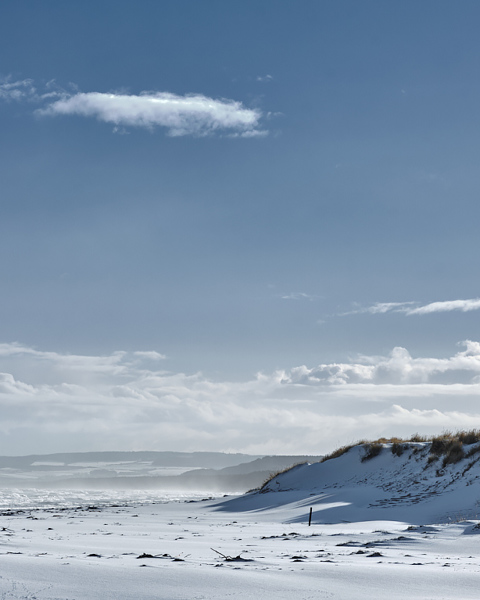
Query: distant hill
point(169, 471)
point(210, 460)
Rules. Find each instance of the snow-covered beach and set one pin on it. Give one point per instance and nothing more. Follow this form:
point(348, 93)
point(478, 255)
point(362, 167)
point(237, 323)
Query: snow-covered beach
point(168, 551)
point(259, 545)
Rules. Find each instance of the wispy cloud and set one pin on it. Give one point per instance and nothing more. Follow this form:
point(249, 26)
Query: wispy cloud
point(150, 354)
point(25, 91)
point(379, 308)
point(53, 401)
point(297, 296)
point(409, 308)
point(190, 114)
point(264, 78)
point(16, 90)
point(446, 306)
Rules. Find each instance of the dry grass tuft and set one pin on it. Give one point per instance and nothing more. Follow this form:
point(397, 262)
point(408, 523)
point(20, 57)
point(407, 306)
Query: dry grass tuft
point(469, 437)
point(273, 476)
point(372, 449)
point(454, 453)
point(398, 448)
point(416, 438)
point(448, 444)
point(338, 452)
point(440, 444)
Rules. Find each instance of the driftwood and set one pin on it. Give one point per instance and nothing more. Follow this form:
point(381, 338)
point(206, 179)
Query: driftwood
point(231, 558)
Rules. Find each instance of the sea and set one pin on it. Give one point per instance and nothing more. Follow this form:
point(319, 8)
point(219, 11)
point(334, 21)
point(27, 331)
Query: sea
point(14, 499)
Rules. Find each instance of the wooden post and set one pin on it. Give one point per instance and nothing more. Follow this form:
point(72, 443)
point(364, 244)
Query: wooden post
point(310, 517)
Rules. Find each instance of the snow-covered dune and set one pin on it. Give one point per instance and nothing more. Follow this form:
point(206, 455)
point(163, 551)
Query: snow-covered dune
point(407, 483)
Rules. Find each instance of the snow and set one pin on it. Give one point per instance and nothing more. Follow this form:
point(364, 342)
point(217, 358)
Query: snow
point(371, 537)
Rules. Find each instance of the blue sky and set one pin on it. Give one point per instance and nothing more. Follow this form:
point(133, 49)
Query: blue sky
point(238, 188)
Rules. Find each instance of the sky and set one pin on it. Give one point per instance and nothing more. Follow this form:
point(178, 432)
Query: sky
point(237, 226)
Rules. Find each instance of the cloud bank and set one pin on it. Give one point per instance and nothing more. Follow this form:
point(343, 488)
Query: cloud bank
point(125, 401)
point(191, 114)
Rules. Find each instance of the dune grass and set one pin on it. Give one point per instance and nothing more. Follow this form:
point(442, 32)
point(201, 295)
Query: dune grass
point(448, 444)
point(271, 477)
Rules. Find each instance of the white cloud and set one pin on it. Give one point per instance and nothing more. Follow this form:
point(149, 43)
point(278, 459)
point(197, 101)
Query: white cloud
point(264, 78)
point(297, 296)
point(250, 133)
point(112, 364)
point(408, 309)
point(16, 90)
point(379, 308)
point(192, 114)
point(57, 402)
point(447, 306)
point(25, 91)
point(150, 354)
point(397, 369)
point(383, 307)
